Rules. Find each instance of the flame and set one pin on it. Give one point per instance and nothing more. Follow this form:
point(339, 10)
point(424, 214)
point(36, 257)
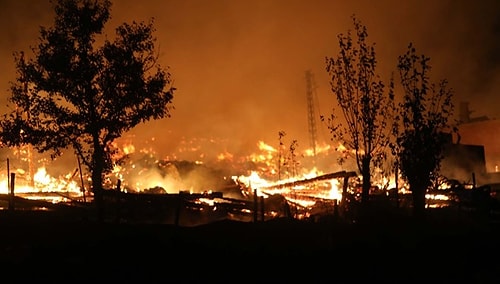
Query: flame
point(47, 187)
point(295, 194)
point(128, 149)
point(262, 179)
point(265, 147)
point(225, 156)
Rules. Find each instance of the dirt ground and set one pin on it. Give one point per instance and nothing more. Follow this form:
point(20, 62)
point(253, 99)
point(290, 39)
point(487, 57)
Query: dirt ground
point(44, 246)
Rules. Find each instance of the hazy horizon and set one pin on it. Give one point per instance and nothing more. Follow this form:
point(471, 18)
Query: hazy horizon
point(239, 66)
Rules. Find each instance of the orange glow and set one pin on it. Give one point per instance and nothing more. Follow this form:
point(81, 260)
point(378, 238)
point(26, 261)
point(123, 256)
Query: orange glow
point(225, 156)
point(139, 176)
point(128, 149)
point(49, 188)
point(265, 147)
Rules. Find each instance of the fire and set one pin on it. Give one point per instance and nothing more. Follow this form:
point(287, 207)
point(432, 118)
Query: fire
point(137, 176)
point(43, 187)
point(266, 147)
point(252, 181)
point(305, 195)
point(304, 188)
point(128, 149)
point(266, 155)
point(320, 149)
point(334, 192)
point(225, 156)
point(43, 183)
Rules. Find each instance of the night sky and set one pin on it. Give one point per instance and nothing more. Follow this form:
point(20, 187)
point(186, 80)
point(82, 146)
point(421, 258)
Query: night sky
point(239, 65)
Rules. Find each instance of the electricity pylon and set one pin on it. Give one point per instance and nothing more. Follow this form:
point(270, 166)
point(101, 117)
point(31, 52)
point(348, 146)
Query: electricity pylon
point(311, 114)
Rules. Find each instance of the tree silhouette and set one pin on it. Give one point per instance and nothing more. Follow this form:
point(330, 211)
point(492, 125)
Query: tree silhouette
point(362, 98)
point(76, 94)
point(287, 161)
point(421, 125)
point(291, 161)
point(281, 154)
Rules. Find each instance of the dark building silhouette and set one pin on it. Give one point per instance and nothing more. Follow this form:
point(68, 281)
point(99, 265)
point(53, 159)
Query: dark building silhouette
point(465, 114)
point(483, 131)
point(476, 151)
point(462, 161)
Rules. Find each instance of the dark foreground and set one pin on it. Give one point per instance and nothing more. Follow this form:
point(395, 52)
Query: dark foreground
point(38, 246)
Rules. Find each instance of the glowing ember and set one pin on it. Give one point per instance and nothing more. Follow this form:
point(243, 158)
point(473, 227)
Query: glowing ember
point(44, 187)
point(302, 189)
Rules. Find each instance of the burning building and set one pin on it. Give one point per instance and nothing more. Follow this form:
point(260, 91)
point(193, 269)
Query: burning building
point(481, 131)
point(463, 161)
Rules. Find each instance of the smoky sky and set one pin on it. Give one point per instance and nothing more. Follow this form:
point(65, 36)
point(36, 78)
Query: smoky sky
point(239, 65)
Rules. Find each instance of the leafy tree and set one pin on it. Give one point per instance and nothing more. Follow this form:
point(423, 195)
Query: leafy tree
point(421, 126)
point(364, 101)
point(77, 94)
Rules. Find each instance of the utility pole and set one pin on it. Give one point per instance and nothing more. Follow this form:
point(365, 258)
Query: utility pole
point(31, 168)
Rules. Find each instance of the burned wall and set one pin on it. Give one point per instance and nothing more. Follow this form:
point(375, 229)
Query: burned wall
point(461, 161)
point(487, 134)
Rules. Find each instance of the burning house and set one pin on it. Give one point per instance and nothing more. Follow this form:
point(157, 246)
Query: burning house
point(463, 161)
point(166, 190)
point(477, 149)
point(147, 188)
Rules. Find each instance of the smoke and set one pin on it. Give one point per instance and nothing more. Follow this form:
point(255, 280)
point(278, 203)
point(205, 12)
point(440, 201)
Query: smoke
point(239, 65)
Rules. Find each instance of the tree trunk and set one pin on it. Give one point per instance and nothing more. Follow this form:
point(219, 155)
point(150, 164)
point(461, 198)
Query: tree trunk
point(98, 194)
point(365, 172)
point(97, 170)
point(364, 209)
point(418, 195)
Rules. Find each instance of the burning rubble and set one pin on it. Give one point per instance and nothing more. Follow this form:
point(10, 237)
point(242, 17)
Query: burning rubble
point(221, 186)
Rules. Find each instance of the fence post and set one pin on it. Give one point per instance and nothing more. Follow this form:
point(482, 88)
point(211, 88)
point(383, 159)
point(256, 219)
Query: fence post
point(255, 205)
point(11, 192)
point(262, 209)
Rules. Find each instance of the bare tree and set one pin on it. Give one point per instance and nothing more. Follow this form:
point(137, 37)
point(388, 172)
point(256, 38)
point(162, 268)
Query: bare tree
point(423, 125)
point(281, 134)
point(292, 161)
point(76, 94)
point(365, 102)
point(287, 161)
